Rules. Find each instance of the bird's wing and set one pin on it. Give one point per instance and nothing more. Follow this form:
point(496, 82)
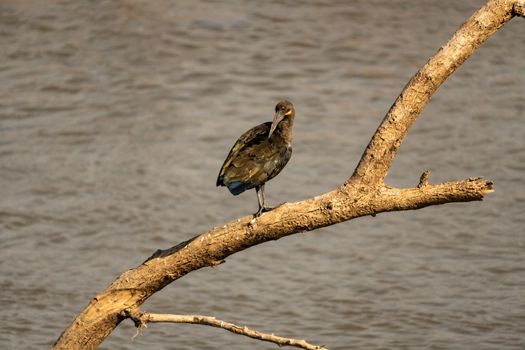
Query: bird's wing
point(245, 144)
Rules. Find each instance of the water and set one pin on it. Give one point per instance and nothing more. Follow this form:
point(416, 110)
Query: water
point(115, 117)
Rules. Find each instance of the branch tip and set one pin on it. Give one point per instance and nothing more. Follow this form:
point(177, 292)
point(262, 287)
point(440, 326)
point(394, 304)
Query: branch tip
point(487, 186)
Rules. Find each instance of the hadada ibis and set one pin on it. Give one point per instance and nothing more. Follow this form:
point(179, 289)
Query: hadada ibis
point(259, 155)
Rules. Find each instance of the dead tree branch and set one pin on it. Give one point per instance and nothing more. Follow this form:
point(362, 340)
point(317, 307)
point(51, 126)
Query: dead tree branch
point(141, 319)
point(386, 141)
point(364, 193)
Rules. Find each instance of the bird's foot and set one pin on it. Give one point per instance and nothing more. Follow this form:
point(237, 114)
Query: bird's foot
point(262, 210)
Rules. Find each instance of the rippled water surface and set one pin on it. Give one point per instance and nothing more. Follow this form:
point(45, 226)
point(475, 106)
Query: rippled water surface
point(115, 117)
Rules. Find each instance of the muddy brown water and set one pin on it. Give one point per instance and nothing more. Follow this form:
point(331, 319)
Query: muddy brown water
point(115, 117)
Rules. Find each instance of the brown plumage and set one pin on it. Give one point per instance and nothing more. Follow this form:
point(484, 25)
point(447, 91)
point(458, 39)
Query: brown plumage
point(259, 155)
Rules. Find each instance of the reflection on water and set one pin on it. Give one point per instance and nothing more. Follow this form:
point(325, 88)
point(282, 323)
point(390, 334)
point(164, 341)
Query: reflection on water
point(115, 117)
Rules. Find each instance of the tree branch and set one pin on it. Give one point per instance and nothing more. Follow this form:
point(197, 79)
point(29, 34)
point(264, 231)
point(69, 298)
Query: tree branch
point(141, 319)
point(364, 193)
point(386, 141)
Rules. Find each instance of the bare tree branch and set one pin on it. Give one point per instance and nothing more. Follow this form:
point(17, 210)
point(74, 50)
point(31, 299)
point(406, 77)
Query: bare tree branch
point(141, 319)
point(364, 193)
point(385, 143)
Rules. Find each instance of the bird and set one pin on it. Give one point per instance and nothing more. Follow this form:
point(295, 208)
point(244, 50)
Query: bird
point(259, 155)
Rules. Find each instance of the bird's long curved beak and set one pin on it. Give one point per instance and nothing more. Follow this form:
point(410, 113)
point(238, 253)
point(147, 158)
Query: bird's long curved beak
point(276, 119)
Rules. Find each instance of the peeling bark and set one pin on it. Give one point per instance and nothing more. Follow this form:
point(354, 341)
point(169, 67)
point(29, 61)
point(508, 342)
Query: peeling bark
point(364, 193)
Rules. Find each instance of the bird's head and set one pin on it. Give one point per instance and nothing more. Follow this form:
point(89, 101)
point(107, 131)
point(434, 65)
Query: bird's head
point(283, 109)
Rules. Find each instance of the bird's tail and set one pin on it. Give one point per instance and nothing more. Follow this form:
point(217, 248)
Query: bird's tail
point(238, 187)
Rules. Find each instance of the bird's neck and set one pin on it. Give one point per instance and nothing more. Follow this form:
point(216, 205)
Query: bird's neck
point(286, 133)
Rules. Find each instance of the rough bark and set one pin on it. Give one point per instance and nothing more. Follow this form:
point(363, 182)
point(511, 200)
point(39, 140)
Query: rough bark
point(364, 193)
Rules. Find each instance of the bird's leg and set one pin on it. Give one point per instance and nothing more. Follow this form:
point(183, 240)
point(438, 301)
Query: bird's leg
point(265, 208)
point(260, 193)
point(261, 198)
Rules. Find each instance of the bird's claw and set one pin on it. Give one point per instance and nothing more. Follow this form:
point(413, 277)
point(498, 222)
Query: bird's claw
point(262, 210)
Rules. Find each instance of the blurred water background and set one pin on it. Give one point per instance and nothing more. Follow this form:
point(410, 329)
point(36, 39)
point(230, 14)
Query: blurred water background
point(115, 117)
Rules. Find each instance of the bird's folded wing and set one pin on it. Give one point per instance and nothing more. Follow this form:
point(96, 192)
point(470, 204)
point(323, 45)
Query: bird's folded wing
point(243, 149)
